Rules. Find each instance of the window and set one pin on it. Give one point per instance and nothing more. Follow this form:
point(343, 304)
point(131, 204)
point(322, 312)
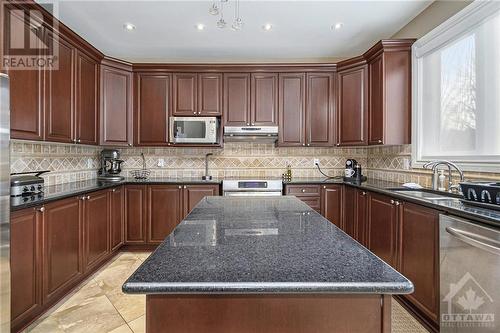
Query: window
point(456, 80)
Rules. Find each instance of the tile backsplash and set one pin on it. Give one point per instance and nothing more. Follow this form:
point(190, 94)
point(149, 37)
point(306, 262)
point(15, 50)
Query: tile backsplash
point(68, 162)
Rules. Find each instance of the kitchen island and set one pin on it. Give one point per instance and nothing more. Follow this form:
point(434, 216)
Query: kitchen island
point(268, 264)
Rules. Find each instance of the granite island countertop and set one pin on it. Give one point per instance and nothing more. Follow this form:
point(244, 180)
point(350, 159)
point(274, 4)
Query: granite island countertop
point(262, 245)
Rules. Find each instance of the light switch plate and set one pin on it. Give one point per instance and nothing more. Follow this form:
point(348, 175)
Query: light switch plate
point(161, 162)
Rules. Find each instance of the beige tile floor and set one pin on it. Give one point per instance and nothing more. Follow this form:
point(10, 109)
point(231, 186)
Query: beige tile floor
point(99, 306)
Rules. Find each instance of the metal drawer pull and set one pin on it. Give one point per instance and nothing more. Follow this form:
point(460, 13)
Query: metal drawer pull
point(303, 190)
point(392, 202)
point(41, 209)
point(478, 241)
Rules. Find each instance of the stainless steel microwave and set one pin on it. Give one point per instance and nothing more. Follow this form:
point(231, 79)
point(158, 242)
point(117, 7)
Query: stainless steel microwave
point(193, 129)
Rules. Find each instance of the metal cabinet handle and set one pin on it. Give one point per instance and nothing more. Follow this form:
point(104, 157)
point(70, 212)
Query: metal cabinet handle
point(82, 198)
point(253, 124)
point(308, 144)
point(79, 140)
point(363, 193)
point(303, 190)
point(379, 141)
point(194, 112)
point(398, 203)
point(113, 190)
point(303, 144)
point(130, 145)
point(248, 124)
point(324, 186)
point(88, 197)
point(185, 186)
point(338, 144)
point(393, 202)
point(180, 187)
point(74, 140)
point(484, 243)
point(41, 209)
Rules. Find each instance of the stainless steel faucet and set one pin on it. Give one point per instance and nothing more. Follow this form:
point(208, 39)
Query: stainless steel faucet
point(435, 177)
point(206, 176)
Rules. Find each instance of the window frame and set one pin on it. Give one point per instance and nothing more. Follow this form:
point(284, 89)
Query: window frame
point(448, 32)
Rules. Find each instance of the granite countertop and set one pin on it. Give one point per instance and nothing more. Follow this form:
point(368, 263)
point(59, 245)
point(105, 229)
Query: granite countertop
point(262, 245)
point(452, 206)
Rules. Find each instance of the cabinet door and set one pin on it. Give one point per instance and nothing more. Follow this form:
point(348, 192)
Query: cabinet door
point(291, 109)
point(319, 111)
point(349, 211)
point(152, 109)
point(237, 99)
point(331, 204)
point(309, 194)
point(62, 248)
point(116, 218)
point(26, 104)
point(382, 223)
point(193, 194)
point(164, 211)
point(264, 99)
point(210, 94)
point(184, 94)
point(352, 107)
point(25, 259)
point(116, 107)
point(419, 254)
point(87, 109)
point(135, 214)
point(361, 217)
point(95, 228)
point(376, 96)
point(59, 95)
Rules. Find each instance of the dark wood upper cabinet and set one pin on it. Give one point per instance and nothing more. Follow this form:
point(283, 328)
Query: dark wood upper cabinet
point(95, 228)
point(116, 106)
point(292, 96)
point(418, 256)
point(382, 224)
point(117, 206)
point(184, 94)
point(152, 109)
point(237, 99)
point(135, 214)
point(320, 109)
point(25, 261)
point(62, 248)
point(331, 204)
point(264, 99)
point(352, 106)
point(59, 95)
point(389, 64)
point(210, 94)
point(164, 211)
point(87, 99)
point(26, 104)
point(193, 194)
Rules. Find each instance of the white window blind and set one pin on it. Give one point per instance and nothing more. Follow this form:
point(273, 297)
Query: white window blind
point(457, 90)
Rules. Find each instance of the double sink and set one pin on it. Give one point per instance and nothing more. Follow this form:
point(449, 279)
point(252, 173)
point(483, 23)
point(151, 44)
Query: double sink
point(427, 195)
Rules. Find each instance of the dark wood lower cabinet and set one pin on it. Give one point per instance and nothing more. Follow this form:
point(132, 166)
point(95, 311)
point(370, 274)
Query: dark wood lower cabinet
point(135, 214)
point(418, 257)
point(95, 228)
point(331, 204)
point(193, 194)
point(25, 258)
point(164, 210)
point(62, 247)
point(116, 225)
point(308, 193)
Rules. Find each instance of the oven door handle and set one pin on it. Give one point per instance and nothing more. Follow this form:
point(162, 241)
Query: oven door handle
point(484, 243)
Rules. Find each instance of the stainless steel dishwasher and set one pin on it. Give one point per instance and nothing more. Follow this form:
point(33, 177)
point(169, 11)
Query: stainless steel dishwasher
point(470, 276)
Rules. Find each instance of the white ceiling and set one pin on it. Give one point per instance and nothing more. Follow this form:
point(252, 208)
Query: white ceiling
point(301, 29)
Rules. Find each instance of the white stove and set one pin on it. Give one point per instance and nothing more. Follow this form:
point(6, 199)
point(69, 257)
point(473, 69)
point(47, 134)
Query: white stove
point(252, 187)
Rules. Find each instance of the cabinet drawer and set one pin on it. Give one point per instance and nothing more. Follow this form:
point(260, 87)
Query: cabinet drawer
point(303, 190)
point(313, 202)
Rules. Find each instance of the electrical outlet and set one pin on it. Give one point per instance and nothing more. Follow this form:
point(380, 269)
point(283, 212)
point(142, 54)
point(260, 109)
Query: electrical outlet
point(407, 164)
point(89, 163)
point(316, 161)
point(161, 162)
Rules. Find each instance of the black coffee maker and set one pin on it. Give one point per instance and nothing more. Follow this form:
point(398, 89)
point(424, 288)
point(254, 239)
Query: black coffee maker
point(352, 171)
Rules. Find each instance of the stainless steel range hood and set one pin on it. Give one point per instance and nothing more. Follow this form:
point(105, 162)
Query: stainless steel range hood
point(263, 134)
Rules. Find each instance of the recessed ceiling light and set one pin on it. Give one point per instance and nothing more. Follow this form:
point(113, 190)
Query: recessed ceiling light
point(267, 27)
point(337, 26)
point(129, 26)
point(200, 26)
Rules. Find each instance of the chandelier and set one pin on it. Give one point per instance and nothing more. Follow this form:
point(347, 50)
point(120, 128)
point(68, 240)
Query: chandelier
point(217, 8)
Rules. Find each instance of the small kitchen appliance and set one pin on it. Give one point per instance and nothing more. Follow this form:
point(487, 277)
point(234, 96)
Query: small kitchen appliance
point(352, 171)
point(251, 133)
point(110, 165)
point(194, 130)
point(26, 183)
